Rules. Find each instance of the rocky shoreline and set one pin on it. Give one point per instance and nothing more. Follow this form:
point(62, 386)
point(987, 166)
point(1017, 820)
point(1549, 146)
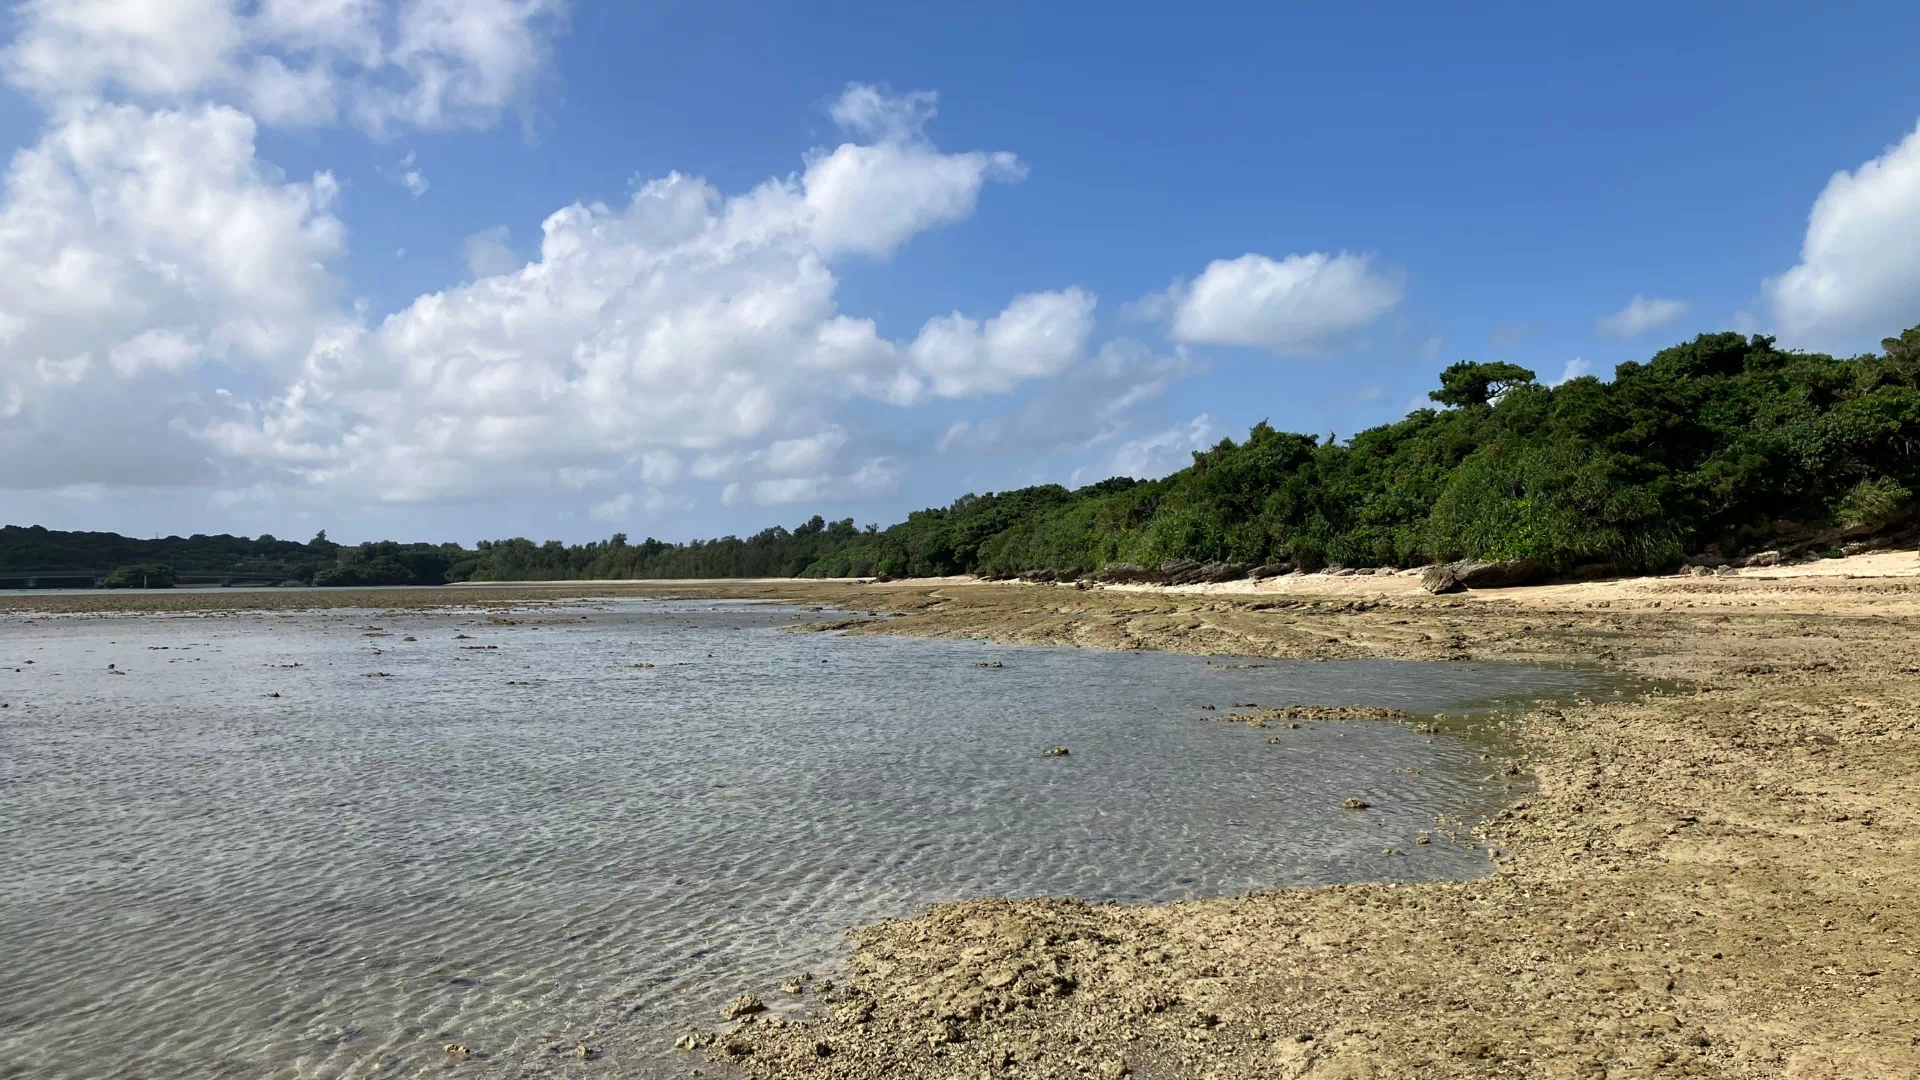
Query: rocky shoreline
point(1716, 880)
point(1720, 879)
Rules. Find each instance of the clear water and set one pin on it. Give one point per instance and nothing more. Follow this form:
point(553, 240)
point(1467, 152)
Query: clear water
point(525, 847)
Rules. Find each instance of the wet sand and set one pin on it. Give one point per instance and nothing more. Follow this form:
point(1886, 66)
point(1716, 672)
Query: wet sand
point(1717, 880)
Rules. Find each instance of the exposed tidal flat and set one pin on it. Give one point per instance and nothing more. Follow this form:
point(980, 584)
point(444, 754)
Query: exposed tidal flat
point(1715, 878)
point(554, 834)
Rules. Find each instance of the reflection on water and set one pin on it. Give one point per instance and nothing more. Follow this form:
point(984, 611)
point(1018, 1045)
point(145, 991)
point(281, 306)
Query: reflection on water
point(326, 844)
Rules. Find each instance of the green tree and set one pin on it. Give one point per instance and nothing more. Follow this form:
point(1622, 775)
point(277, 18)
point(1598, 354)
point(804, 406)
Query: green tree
point(1469, 383)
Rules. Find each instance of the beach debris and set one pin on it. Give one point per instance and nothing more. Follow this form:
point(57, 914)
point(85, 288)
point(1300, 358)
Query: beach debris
point(1057, 751)
point(585, 1052)
point(990, 664)
point(456, 1050)
point(479, 648)
point(111, 670)
point(639, 665)
point(692, 1040)
point(1355, 804)
point(378, 675)
point(409, 637)
point(1209, 708)
point(273, 693)
point(793, 986)
point(463, 637)
point(744, 1005)
point(822, 1048)
point(1424, 840)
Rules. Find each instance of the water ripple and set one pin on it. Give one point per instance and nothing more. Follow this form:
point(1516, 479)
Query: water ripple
point(523, 847)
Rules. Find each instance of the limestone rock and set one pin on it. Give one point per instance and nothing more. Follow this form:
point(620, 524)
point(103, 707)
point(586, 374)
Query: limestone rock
point(1440, 578)
point(1504, 574)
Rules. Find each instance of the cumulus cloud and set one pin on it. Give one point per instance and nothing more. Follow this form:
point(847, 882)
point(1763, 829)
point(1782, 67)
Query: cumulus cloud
point(134, 246)
point(1859, 269)
point(1038, 334)
point(684, 320)
point(1639, 316)
point(425, 64)
point(871, 197)
point(681, 335)
point(1298, 305)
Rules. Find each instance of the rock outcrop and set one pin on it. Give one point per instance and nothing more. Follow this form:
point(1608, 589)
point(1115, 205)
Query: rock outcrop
point(1475, 574)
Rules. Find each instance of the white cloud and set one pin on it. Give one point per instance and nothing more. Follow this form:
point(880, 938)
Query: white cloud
point(1298, 305)
point(411, 177)
point(575, 477)
point(1859, 268)
point(133, 246)
point(871, 198)
point(1575, 368)
point(685, 334)
point(659, 467)
point(1639, 316)
point(1154, 456)
point(1092, 403)
point(614, 509)
point(427, 64)
point(1038, 334)
point(488, 254)
point(1430, 348)
point(684, 320)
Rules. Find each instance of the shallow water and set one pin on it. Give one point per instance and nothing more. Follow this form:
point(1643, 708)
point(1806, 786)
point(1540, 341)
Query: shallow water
point(525, 847)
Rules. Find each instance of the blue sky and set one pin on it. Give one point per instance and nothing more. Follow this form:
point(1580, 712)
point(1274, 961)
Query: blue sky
point(1217, 215)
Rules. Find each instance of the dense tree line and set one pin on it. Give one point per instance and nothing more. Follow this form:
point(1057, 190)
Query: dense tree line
point(1723, 443)
point(36, 548)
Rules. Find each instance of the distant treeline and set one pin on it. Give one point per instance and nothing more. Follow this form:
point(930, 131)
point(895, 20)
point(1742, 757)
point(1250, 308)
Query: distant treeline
point(1724, 444)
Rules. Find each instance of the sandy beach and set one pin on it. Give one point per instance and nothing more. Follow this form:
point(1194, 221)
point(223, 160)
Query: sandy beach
point(1718, 879)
